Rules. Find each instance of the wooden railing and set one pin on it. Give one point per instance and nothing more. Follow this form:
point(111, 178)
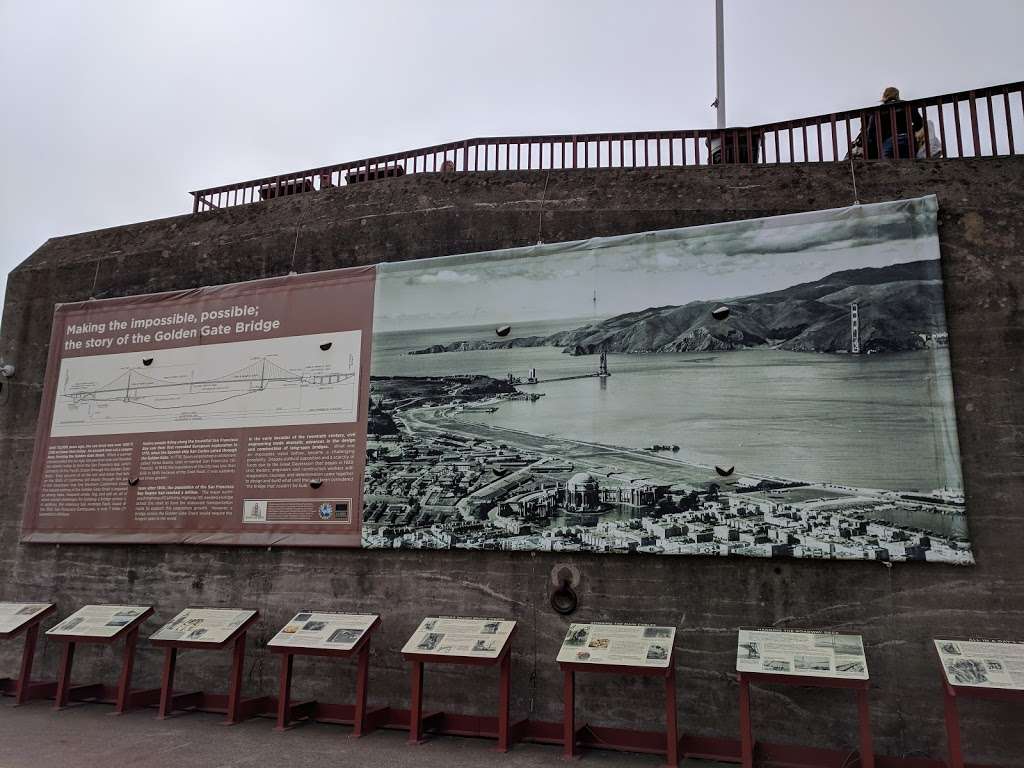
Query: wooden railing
point(975, 123)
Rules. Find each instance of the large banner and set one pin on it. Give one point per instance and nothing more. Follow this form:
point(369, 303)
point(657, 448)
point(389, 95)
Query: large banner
point(772, 387)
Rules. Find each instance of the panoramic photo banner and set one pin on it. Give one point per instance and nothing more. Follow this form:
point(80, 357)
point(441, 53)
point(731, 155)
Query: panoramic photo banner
point(775, 387)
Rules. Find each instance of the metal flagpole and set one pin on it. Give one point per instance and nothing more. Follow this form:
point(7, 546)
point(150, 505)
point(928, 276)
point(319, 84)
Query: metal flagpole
point(720, 62)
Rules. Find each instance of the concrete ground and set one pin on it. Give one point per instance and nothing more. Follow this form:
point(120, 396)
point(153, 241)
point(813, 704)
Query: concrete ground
point(89, 736)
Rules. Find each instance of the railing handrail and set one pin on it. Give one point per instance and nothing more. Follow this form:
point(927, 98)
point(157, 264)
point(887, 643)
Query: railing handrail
point(845, 118)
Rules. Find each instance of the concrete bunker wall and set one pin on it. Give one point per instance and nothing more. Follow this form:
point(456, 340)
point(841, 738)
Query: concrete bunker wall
point(898, 609)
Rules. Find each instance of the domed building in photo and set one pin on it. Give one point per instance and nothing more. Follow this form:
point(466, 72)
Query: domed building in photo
point(582, 493)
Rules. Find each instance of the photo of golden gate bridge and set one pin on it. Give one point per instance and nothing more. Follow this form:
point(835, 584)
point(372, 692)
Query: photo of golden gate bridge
point(798, 407)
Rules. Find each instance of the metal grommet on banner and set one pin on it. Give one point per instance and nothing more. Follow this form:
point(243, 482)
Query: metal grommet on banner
point(724, 471)
point(133, 481)
point(147, 361)
point(720, 313)
point(503, 330)
point(315, 483)
point(326, 345)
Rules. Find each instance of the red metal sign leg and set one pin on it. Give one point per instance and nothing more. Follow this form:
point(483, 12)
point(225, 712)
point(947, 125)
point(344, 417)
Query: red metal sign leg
point(124, 685)
point(285, 692)
point(416, 703)
point(64, 676)
point(746, 736)
point(569, 715)
point(671, 717)
point(504, 700)
point(867, 750)
point(167, 683)
point(362, 681)
point(956, 755)
point(235, 688)
point(28, 655)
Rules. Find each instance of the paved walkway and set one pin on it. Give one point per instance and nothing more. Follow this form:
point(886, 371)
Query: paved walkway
point(89, 736)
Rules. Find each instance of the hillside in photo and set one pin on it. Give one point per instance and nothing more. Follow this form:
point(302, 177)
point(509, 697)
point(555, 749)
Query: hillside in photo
point(898, 305)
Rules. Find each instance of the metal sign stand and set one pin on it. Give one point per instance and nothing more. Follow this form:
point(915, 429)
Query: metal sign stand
point(125, 698)
point(572, 736)
point(23, 689)
point(233, 706)
point(747, 744)
point(363, 721)
point(489, 727)
point(950, 693)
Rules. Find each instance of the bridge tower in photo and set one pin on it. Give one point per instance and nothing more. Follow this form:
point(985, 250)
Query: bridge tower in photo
point(602, 366)
point(854, 328)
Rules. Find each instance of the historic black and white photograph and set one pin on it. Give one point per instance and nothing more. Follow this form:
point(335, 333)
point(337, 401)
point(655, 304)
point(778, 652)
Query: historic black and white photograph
point(753, 650)
point(657, 652)
point(772, 388)
point(430, 641)
point(967, 671)
point(485, 646)
point(810, 662)
point(651, 633)
point(841, 645)
point(577, 635)
point(345, 636)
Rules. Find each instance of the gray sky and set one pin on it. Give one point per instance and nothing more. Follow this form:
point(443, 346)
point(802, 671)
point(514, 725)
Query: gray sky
point(113, 110)
point(633, 272)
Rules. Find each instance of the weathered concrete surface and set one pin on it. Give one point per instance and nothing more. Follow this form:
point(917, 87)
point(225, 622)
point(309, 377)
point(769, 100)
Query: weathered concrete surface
point(897, 609)
point(35, 736)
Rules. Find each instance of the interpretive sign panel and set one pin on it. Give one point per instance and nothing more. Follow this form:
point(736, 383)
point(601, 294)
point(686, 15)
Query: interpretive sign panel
point(797, 652)
point(458, 636)
point(628, 645)
point(98, 620)
point(229, 415)
point(203, 625)
point(329, 631)
point(13, 616)
point(247, 414)
point(983, 663)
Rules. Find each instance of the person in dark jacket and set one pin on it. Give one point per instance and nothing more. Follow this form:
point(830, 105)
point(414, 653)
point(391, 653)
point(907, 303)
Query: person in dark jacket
point(880, 125)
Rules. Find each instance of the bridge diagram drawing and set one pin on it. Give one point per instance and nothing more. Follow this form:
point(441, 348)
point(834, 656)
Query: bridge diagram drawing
point(261, 383)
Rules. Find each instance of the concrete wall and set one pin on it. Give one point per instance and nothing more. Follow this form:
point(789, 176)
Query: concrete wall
point(898, 609)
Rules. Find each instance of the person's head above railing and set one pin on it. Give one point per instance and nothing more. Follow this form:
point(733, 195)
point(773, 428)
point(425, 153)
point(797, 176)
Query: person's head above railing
point(973, 123)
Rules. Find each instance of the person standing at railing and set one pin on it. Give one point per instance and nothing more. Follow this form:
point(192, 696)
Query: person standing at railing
point(880, 124)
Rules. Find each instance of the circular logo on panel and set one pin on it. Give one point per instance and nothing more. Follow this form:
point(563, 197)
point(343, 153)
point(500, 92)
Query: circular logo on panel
point(326, 510)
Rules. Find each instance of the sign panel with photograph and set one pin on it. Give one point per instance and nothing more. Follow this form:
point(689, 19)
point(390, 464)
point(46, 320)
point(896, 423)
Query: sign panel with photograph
point(458, 636)
point(13, 616)
point(983, 663)
point(203, 625)
point(329, 631)
point(98, 620)
point(227, 415)
point(804, 653)
point(247, 414)
point(629, 645)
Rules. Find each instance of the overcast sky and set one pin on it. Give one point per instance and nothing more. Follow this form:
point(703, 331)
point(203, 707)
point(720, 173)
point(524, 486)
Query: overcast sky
point(611, 276)
point(114, 110)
